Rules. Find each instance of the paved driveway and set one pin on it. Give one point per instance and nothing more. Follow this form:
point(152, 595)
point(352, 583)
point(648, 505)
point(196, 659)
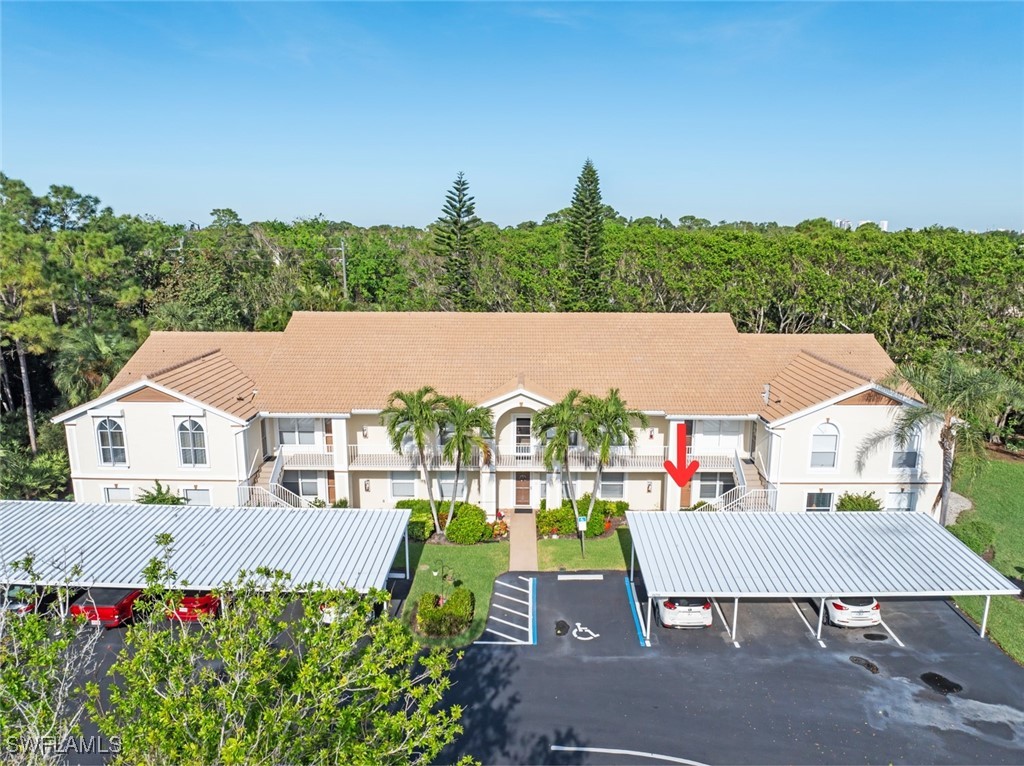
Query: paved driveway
point(780, 697)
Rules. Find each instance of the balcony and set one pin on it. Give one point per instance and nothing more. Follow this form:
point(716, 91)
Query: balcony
point(382, 457)
point(309, 457)
point(530, 457)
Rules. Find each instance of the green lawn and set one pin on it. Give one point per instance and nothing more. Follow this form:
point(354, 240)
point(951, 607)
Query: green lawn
point(474, 566)
point(998, 496)
point(602, 553)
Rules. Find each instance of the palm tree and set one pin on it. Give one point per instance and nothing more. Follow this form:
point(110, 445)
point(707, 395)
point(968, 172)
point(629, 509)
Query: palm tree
point(608, 422)
point(415, 416)
point(961, 399)
point(465, 427)
point(88, 361)
point(555, 425)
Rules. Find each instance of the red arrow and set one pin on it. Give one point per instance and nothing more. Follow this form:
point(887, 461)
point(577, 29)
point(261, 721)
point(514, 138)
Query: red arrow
point(683, 472)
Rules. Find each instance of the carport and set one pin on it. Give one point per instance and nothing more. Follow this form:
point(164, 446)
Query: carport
point(100, 545)
point(804, 555)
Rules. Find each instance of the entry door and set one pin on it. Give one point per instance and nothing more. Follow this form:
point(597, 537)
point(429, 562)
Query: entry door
point(522, 490)
point(523, 438)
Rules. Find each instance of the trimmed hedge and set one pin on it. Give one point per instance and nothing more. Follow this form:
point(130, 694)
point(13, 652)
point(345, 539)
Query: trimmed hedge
point(447, 619)
point(976, 534)
point(421, 523)
point(469, 525)
point(562, 521)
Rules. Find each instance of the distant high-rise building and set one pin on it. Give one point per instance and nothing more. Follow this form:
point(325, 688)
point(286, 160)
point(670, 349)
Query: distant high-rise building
point(842, 223)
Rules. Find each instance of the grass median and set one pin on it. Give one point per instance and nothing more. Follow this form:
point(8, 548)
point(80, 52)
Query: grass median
point(610, 552)
point(473, 566)
point(998, 500)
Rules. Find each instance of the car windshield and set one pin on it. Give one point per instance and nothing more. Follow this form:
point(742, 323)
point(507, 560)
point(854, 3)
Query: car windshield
point(20, 593)
point(687, 601)
point(856, 601)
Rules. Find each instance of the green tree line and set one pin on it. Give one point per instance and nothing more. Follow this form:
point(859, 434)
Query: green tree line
point(81, 286)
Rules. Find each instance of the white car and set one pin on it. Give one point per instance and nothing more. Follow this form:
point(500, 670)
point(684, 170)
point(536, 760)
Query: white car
point(684, 611)
point(852, 612)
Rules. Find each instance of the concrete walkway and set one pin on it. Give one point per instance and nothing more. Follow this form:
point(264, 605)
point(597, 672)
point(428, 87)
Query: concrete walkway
point(522, 536)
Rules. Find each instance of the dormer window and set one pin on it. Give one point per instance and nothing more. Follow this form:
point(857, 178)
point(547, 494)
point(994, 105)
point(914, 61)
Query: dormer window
point(110, 435)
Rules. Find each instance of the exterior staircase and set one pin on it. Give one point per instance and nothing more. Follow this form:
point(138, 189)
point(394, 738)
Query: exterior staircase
point(263, 475)
point(751, 476)
point(262, 492)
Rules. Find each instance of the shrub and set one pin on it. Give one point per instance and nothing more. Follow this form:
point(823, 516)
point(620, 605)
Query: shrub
point(159, 495)
point(976, 534)
point(469, 525)
point(863, 502)
point(341, 502)
point(317, 502)
point(700, 505)
point(447, 619)
point(421, 523)
point(499, 529)
point(557, 521)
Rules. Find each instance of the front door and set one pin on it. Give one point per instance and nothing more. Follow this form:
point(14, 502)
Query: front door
point(523, 490)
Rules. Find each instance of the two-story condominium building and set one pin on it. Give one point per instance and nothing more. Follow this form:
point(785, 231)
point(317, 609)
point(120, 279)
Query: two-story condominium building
point(777, 422)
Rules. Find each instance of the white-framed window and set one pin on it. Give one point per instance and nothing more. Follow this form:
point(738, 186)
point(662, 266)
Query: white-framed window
point(720, 433)
point(819, 501)
point(714, 484)
point(296, 431)
point(900, 501)
point(906, 456)
point(446, 481)
point(403, 484)
point(117, 494)
point(574, 437)
point(191, 442)
point(110, 435)
point(198, 497)
point(825, 446)
point(302, 483)
point(613, 486)
point(445, 435)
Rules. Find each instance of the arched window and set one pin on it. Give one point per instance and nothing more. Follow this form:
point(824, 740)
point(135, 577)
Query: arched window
point(825, 446)
point(111, 437)
point(192, 441)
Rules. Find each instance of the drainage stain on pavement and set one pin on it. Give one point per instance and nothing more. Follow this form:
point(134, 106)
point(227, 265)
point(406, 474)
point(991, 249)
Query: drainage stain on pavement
point(866, 664)
point(876, 636)
point(561, 628)
point(941, 684)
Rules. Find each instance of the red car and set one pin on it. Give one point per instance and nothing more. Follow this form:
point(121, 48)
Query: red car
point(194, 604)
point(109, 607)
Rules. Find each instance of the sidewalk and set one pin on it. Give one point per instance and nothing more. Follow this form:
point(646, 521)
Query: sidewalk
point(522, 535)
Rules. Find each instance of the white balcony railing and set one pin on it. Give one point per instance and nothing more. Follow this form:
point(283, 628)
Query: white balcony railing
point(314, 457)
point(383, 457)
point(271, 496)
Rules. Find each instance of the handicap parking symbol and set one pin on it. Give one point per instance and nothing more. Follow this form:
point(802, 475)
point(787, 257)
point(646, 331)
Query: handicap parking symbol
point(583, 633)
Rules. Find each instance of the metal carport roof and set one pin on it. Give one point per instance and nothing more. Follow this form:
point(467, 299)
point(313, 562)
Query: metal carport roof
point(113, 543)
point(806, 555)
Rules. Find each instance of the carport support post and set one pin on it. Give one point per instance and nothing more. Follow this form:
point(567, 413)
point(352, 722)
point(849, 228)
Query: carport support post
point(632, 560)
point(407, 552)
point(647, 627)
point(984, 617)
point(735, 614)
point(821, 618)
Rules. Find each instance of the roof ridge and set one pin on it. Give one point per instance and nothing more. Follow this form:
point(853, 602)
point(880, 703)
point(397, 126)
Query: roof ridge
point(183, 363)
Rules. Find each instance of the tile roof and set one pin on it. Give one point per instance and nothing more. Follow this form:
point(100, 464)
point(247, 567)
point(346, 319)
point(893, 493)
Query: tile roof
point(335, 362)
point(212, 379)
point(805, 381)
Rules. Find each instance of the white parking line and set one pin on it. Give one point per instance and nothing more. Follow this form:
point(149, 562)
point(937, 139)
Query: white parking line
point(889, 631)
point(724, 622)
point(506, 622)
point(513, 587)
point(510, 609)
point(510, 638)
point(511, 598)
point(634, 753)
point(581, 577)
point(814, 634)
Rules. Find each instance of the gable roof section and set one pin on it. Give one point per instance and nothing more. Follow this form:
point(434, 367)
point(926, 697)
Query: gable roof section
point(681, 364)
point(215, 380)
point(806, 381)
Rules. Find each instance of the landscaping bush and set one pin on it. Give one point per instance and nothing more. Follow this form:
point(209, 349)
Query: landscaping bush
point(976, 534)
point(469, 525)
point(341, 502)
point(447, 619)
point(863, 502)
point(700, 505)
point(557, 521)
point(421, 523)
point(499, 529)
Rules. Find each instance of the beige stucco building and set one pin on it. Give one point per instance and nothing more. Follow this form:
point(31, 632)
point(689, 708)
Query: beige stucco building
point(777, 422)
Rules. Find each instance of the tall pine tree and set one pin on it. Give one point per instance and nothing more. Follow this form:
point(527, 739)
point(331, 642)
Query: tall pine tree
point(453, 244)
point(586, 231)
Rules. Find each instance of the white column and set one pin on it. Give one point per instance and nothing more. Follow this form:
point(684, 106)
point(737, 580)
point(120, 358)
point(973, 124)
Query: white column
point(489, 491)
point(735, 614)
point(984, 617)
point(821, 617)
point(647, 627)
point(554, 499)
point(339, 434)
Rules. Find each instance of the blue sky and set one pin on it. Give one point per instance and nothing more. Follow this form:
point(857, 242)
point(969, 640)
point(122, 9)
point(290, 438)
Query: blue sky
point(911, 112)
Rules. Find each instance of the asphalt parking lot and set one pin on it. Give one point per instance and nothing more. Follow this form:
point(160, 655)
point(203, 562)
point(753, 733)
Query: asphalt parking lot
point(601, 697)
